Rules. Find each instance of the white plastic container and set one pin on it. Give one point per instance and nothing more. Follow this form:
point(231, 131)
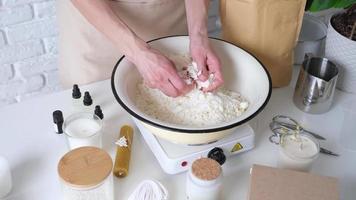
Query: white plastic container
point(297, 153)
point(83, 129)
point(89, 108)
point(77, 99)
point(5, 178)
point(204, 180)
point(85, 174)
point(77, 105)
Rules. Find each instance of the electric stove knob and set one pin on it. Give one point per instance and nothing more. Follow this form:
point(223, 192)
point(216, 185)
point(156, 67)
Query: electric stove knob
point(218, 155)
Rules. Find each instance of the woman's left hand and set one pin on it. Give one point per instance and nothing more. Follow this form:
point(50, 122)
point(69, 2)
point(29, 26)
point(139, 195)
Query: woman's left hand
point(207, 61)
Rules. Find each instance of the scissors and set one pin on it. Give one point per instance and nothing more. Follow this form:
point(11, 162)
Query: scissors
point(282, 125)
point(292, 125)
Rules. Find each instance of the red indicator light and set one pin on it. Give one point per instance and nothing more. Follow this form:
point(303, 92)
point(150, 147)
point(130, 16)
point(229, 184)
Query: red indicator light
point(184, 163)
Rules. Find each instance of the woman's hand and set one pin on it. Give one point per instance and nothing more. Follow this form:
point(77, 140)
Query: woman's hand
point(159, 72)
point(207, 61)
point(200, 49)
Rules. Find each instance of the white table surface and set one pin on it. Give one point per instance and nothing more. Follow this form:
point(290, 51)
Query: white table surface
point(33, 149)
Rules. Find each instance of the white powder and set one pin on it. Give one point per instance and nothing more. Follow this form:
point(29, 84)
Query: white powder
point(188, 70)
point(196, 108)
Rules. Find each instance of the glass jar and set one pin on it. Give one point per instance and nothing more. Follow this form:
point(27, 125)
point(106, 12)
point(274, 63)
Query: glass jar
point(297, 152)
point(204, 180)
point(83, 129)
point(85, 174)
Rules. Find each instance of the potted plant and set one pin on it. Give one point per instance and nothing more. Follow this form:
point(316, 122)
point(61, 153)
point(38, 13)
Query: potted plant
point(340, 44)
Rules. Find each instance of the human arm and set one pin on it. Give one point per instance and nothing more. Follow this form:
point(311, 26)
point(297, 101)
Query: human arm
point(200, 49)
point(157, 70)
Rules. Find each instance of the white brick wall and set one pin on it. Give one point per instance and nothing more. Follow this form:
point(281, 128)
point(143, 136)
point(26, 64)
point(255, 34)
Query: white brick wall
point(28, 53)
point(28, 48)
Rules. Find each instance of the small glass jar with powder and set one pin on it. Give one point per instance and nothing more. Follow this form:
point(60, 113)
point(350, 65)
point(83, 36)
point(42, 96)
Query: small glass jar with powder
point(85, 174)
point(297, 152)
point(204, 180)
point(83, 129)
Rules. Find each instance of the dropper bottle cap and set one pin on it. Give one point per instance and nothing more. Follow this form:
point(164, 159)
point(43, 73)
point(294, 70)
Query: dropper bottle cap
point(87, 99)
point(58, 120)
point(76, 92)
point(98, 112)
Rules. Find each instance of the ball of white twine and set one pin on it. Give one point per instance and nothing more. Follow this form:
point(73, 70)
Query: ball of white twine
point(149, 190)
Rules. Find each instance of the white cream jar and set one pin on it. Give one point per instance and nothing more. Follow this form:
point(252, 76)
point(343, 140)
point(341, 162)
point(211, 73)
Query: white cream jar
point(204, 180)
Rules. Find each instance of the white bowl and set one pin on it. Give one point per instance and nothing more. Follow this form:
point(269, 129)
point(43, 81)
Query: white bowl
point(242, 73)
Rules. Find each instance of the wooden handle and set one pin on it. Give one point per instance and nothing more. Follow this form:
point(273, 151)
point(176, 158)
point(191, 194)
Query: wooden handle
point(123, 153)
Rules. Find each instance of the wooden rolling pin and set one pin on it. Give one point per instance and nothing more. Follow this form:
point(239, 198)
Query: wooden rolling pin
point(123, 152)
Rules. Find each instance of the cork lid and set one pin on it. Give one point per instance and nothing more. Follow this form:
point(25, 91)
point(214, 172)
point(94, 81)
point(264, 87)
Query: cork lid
point(85, 167)
point(206, 169)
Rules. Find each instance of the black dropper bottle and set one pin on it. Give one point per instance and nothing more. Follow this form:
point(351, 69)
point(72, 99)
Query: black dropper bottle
point(58, 121)
point(76, 96)
point(98, 112)
point(87, 101)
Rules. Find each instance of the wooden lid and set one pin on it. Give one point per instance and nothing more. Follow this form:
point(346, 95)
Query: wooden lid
point(85, 167)
point(206, 169)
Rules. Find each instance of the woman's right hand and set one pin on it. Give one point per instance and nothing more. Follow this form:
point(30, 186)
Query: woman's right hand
point(156, 69)
point(159, 72)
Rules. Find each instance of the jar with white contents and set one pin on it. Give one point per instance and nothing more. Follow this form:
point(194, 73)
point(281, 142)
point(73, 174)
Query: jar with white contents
point(83, 129)
point(204, 180)
point(85, 174)
point(297, 152)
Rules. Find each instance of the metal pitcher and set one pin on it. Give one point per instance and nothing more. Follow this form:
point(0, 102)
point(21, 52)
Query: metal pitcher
point(316, 83)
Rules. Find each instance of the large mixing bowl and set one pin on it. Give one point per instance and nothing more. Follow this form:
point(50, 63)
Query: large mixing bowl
point(242, 73)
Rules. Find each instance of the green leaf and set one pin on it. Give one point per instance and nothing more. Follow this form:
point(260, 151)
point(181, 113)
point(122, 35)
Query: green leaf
point(344, 3)
point(318, 5)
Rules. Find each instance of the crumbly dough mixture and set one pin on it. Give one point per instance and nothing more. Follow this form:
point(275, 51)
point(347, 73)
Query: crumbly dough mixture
point(197, 108)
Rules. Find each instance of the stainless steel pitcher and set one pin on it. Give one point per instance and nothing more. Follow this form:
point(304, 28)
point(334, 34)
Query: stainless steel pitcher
point(316, 83)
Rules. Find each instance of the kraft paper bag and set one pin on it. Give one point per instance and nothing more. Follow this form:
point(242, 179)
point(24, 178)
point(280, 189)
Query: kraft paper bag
point(268, 29)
